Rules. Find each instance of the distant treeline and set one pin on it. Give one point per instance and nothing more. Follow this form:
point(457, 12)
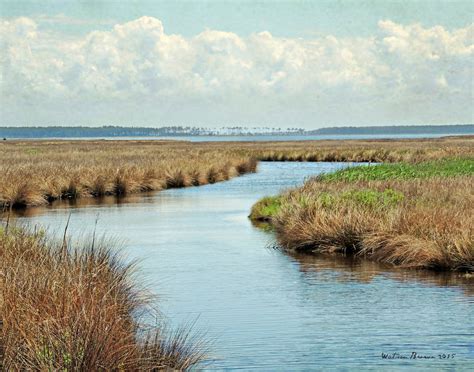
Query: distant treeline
point(105, 131)
point(117, 131)
point(398, 129)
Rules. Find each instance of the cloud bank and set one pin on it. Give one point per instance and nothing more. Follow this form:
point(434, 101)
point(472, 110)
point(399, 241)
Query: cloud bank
point(138, 74)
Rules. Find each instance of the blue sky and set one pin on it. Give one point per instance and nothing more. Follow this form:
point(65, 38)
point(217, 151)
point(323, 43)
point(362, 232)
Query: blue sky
point(282, 18)
point(281, 63)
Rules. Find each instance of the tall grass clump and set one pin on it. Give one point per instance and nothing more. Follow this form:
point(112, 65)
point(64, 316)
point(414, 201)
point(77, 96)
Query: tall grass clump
point(79, 308)
point(414, 216)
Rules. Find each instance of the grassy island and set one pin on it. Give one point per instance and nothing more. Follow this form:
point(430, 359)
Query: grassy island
point(414, 215)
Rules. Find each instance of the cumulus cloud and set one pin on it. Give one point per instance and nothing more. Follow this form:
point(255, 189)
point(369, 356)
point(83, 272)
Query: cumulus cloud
point(403, 72)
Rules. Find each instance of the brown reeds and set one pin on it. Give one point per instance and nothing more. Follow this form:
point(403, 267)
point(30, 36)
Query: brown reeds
point(414, 223)
point(386, 151)
point(79, 309)
point(37, 172)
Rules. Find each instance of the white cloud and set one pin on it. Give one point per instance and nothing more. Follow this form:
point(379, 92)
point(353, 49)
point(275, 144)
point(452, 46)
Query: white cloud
point(138, 70)
point(62, 19)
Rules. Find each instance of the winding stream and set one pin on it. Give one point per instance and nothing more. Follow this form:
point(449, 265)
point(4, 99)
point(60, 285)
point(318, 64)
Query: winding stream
point(266, 310)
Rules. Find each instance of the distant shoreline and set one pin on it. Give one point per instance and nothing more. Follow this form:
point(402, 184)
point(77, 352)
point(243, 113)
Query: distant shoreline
point(232, 132)
point(246, 139)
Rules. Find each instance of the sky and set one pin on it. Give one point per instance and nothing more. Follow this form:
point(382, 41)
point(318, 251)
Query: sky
point(307, 64)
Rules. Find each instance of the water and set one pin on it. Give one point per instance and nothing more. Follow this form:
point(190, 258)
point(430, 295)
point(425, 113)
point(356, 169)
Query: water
point(258, 138)
point(269, 311)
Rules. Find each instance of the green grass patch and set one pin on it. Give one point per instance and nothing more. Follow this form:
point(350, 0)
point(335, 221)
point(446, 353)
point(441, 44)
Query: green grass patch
point(402, 171)
point(365, 198)
point(265, 208)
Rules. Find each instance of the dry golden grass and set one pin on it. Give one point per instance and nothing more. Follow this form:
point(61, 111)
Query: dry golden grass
point(418, 223)
point(387, 151)
point(68, 308)
point(36, 172)
point(79, 309)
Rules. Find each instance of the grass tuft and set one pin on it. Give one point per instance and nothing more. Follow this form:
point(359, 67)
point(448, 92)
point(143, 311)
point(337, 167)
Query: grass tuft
point(79, 308)
point(265, 208)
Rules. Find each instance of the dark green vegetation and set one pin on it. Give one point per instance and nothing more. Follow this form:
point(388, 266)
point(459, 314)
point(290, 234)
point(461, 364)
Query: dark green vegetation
point(104, 131)
point(399, 129)
point(411, 215)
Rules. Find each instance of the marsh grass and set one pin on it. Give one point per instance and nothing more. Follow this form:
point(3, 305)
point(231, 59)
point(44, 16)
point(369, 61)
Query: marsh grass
point(38, 172)
point(265, 208)
point(79, 307)
point(374, 151)
point(35, 173)
point(403, 171)
point(417, 219)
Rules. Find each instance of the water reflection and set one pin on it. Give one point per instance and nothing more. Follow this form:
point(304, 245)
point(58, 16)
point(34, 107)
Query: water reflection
point(351, 268)
point(365, 271)
point(267, 310)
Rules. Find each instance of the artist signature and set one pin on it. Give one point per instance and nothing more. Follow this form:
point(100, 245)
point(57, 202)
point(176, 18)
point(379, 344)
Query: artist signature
point(415, 355)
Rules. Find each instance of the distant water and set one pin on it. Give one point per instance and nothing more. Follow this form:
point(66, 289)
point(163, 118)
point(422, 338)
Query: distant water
point(268, 311)
point(264, 137)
